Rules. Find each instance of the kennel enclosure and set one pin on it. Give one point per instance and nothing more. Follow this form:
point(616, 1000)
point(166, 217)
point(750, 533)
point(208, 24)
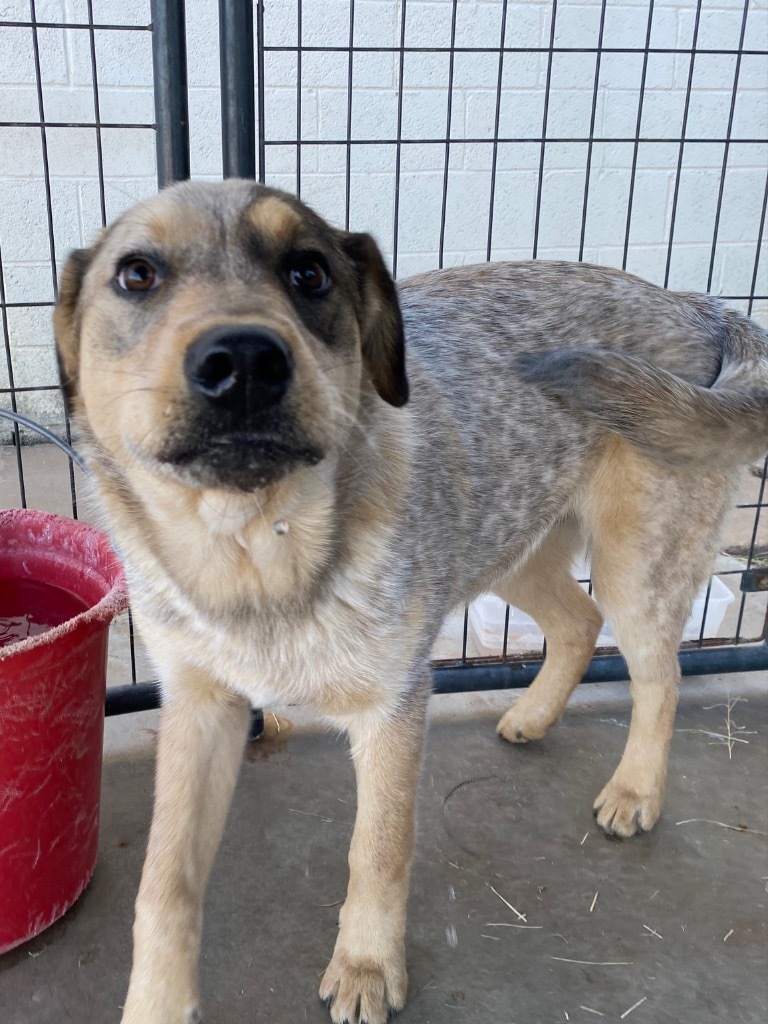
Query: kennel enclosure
point(619, 132)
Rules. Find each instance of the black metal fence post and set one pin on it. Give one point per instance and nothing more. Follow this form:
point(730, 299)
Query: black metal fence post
point(238, 129)
point(238, 120)
point(169, 60)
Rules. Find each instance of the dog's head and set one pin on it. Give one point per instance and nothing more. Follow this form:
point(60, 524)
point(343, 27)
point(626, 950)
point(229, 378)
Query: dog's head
point(222, 335)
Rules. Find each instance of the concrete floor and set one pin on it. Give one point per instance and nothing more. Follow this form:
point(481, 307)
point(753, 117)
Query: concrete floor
point(676, 918)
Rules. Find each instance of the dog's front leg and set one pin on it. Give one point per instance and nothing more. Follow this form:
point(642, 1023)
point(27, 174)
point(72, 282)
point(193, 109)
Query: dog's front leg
point(202, 733)
point(366, 979)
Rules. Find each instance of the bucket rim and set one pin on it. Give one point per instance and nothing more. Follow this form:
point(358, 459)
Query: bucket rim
point(114, 601)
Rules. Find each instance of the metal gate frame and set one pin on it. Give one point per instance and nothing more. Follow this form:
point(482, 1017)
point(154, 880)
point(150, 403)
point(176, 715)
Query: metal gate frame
point(244, 145)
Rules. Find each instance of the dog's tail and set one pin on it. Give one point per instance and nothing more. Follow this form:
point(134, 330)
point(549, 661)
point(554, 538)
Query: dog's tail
point(666, 417)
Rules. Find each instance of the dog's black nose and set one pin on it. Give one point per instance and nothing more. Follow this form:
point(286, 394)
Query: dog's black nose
point(239, 366)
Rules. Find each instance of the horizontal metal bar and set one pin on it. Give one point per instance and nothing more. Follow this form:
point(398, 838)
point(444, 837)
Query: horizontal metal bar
point(730, 572)
point(602, 669)
point(126, 700)
point(641, 51)
point(72, 124)
point(75, 24)
point(436, 141)
point(538, 139)
point(608, 668)
point(25, 390)
point(123, 700)
point(26, 305)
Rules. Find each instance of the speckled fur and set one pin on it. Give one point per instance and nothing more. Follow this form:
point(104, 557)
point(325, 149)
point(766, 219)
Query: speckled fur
point(551, 405)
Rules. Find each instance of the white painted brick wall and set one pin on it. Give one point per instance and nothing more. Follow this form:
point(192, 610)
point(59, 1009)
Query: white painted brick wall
point(124, 68)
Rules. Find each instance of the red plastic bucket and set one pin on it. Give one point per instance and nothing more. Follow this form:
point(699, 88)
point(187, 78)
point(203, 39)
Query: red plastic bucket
point(52, 721)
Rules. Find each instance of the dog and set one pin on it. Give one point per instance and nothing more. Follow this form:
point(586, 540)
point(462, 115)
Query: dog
point(299, 503)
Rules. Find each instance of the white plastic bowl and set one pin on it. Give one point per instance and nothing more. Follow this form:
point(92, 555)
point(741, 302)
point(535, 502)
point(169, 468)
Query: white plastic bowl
point(487, 613)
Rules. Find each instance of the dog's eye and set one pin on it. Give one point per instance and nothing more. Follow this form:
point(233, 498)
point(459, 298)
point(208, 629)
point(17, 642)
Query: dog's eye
point(308, 275)
point(137, 274)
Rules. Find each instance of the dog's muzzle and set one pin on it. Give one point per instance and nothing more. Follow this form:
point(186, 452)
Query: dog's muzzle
point(241, 369)
point(240, 431)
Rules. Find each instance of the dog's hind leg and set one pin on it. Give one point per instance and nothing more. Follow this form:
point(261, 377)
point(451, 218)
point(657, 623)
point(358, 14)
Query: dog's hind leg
point(545, 589)
point(200, 745)
point(654, 535)
point(366, 980)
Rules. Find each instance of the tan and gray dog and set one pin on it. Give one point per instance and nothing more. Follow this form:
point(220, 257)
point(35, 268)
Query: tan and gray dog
point(299, 505)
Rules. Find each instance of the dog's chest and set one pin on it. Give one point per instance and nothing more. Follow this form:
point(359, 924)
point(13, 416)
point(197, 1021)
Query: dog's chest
point(351, 652)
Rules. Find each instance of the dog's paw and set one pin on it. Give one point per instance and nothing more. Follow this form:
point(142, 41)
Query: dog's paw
point(523, 723)
point(132, 1015)
point(361, 992)
point(622, 810)
point(155, 999)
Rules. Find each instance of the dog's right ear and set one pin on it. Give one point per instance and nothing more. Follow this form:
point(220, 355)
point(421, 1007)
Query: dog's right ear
point(66, 320)
point(381, 323)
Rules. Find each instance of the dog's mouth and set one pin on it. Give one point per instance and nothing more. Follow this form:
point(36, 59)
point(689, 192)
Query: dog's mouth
point(243, 460)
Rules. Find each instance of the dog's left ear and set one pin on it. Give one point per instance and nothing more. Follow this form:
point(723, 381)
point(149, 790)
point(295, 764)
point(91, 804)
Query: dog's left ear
point(66, 320)
point(381, 324)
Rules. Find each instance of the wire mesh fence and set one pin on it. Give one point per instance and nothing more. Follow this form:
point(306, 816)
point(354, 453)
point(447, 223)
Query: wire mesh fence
point(625, 132)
